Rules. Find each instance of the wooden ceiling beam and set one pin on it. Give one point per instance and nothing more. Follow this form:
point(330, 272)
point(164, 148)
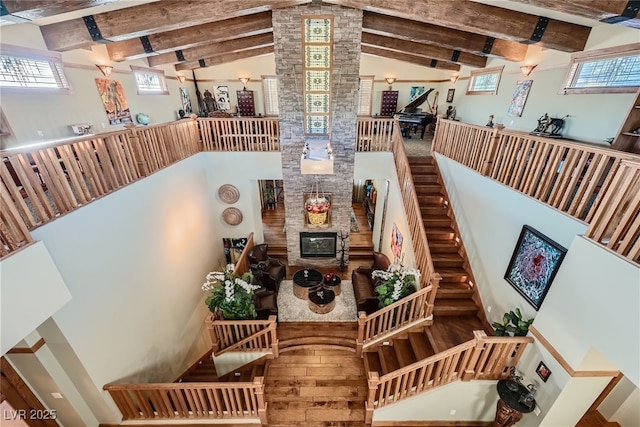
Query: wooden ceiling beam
point(34, 9)
point(413, 59)
point(214, 49)
point(493, 21)
point(184, 38)
point(426, 50)
point(419, 32)
point(611, 11)
point(224, 58)
point(150, 18)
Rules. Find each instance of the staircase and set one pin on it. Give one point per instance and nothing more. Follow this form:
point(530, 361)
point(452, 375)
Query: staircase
point(455, 296)
point(205, 371)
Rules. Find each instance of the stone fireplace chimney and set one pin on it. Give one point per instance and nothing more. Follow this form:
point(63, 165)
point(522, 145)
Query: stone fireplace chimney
point(345, 68)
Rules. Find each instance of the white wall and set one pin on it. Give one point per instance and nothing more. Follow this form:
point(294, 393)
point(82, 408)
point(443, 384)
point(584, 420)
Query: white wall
point(594, 117)
point(32, 290)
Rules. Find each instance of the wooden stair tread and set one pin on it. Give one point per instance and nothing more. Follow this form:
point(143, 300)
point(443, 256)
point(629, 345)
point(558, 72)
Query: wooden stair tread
point(454, 307)
point(420, 345)
point(454, 290)
point(443, 246)
point(404, 353)
point(444, 260)
point(388, 359)
point(372, 361)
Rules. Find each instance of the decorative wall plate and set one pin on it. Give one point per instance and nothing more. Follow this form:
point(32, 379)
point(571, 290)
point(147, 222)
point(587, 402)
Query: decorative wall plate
point(232, 216)
point(228, 193)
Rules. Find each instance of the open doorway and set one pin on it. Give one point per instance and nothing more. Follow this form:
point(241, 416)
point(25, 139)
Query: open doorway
point(271, 194)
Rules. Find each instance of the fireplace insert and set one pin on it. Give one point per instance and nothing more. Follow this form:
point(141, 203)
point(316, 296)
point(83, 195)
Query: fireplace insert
point(318, 245)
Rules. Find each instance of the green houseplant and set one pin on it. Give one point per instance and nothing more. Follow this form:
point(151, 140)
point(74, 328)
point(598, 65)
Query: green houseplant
point(394, 283)
point(231, 294)
point(512, 324)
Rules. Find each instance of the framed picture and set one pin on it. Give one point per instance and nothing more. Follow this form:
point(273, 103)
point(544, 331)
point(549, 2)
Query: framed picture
point(114, 101)
point(543, 372)
point(186, 101)
point(416, 91)
point(519, 98)
point(450, 94)
point(396, 244)
point(222, 97)
point(534, 263)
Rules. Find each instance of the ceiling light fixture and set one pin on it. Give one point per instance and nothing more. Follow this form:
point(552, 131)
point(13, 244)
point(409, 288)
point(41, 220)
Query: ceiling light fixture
point(454, 78)
point(181, 78)
point(527, 69)
point(105, 69)
point(390, 80)
point(244, 81)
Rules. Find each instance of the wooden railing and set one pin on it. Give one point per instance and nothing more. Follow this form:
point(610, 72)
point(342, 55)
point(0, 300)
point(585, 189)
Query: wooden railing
point(399, 316)
point(616, 222)
point(375, 134)
point(483, 358)
point(572, 177)
point(240, 134)
point(41, 183)
point(173, 401)
point(418, 307)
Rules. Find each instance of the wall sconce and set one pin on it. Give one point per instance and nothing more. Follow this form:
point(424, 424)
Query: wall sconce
point(454, 78)
point(390, 80)
point(181, 78)
point(527, 69)
point(244, 81)
point(105, 69)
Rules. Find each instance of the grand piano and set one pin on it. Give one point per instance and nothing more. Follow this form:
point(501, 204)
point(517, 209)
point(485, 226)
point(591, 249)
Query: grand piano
point(410, 117)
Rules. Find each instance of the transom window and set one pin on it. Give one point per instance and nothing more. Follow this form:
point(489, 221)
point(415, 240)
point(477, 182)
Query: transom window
point(317, 50)
point(150, 81)
point(485, 81)
point(28, 69)
point(604, 70)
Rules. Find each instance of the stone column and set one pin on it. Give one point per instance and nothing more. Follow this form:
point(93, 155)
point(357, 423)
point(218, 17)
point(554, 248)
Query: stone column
point(347, 30)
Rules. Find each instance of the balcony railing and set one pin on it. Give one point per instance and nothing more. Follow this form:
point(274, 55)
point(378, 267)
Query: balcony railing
point(598, 186)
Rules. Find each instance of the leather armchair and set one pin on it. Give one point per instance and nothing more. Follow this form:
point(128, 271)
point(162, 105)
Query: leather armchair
point(268, 272)
point(266, 303)
point(364, 285)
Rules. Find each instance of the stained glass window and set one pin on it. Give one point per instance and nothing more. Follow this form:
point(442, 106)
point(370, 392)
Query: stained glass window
point(317, 50)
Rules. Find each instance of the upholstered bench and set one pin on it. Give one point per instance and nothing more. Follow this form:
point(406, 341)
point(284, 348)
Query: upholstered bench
point(364, 285)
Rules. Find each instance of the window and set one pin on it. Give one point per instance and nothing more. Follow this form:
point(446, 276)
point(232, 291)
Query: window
point(604, 70)
point(150, 81)
point(364, 100)
point(29, 69)
point(317, 49)
point(485, 81)
point(270, 90)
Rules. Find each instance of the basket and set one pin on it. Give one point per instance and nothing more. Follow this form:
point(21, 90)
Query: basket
point(317, 218)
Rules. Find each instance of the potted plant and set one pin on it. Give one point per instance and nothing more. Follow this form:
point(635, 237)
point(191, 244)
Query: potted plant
point(394, 283)
point(231, 294)
point(512, 324)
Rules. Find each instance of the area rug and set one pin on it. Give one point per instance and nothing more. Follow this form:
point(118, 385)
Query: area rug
point(354, 222)
point(293, 309)
point(415, 147)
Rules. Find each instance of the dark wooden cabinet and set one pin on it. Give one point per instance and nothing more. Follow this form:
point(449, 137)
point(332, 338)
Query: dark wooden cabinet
point(389, 102)
point(246, 106)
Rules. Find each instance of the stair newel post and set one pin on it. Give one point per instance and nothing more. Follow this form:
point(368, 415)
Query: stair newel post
point(138, 151)
point(470, 369)
point(490, 153)
point(258, 383)
point(373, 381)
point(362, 316)
point(273, 325)
point(434, 281)
point(215, 343)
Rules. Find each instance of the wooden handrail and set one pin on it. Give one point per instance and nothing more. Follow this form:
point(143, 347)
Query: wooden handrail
point(216, 400)
point(243, 335)
point(240, 133)
point(481, 358)
point(616, 222)
point(242, 264)
point(403, 314)
point(576, 178)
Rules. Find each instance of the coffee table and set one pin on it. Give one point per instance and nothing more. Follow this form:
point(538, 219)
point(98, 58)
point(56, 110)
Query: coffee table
point(333, 284)
point(305, 279)
point(322, 300)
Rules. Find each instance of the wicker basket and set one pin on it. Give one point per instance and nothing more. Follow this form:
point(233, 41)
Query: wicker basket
point(317, 218)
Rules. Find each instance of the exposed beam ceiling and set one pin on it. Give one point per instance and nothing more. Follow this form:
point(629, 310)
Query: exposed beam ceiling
point(213, 32)
point(214, 49)
point(413, 59)
point(613, 11)
point(224, 58)
point(149, 19)
point(376, 23)
point(426, 50)
point(493, 21)
point(34, 9)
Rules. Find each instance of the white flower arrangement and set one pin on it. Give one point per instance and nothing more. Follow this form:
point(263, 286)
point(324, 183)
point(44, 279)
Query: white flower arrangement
point(395, 283)
point(230, 293)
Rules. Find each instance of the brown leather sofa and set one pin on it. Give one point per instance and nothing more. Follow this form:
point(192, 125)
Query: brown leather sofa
point(364, 286)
